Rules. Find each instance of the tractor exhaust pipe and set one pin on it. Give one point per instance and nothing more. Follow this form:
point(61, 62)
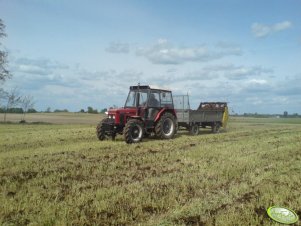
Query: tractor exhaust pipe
point(138, 100)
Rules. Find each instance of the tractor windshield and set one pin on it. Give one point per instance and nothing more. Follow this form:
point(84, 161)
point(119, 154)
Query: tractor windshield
point(136, 98)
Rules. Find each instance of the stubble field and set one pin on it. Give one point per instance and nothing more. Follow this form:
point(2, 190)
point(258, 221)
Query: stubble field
point(60, 174)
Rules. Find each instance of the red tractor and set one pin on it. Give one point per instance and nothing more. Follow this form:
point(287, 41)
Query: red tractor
point(146, 111)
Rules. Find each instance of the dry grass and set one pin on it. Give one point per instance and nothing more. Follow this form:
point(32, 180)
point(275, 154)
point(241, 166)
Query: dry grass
point(56, 118)
point(62, 175)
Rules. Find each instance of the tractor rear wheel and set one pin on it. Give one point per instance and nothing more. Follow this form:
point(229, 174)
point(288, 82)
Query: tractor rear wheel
point(133, 131)
point(100, 131)
point(194, 129)
point(166, 126)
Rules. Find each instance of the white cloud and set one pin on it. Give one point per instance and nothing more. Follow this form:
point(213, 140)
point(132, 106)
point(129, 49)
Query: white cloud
point(282, 26)
point(201, 75)
point(39, 66)
point(79, 88)
point(254, 100)
point(164, 52)
point(233, 72)
point(290, 87)
point(261, 30)
point(32, 69)
point(258, 81)
point(118, 47)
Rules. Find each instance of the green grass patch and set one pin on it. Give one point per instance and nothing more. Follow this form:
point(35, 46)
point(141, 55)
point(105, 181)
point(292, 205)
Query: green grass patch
point(273, 120)
point(62, 175)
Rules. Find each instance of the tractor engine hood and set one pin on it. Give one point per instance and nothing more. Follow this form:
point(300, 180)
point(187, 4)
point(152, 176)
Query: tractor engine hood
point(120, 115)
point(127, 111)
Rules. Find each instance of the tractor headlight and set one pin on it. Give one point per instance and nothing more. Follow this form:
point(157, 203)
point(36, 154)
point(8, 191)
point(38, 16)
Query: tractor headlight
point(112, 116)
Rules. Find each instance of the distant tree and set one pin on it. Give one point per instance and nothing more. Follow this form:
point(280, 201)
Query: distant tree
point(27, 102)
point(3, 97)
point(92, 111)
point(58, 110)
point(104, 110)
point(32, 110)
point(82, 111)
point(15, 110)
point(4, 73)
point(48, 110)
point(13, 98)
point(285, 114)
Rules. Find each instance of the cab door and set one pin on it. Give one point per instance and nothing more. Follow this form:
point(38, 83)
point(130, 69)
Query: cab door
point(143, 99)
point(153, 108)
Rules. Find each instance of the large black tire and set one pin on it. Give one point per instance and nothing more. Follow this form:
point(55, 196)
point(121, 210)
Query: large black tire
point(194, 129)
point(100, 132)
point(215, 127)
point(133, 131)
point(177, 126)
point(166, 127)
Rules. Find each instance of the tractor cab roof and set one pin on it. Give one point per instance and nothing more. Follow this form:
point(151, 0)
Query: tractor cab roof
point(146, 87)
point(139, 87)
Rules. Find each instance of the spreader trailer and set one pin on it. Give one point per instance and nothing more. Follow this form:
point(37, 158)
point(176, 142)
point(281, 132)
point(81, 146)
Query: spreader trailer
point(209, 114)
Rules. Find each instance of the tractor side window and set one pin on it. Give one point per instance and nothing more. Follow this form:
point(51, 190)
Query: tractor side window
point(131, 100)
point(143, 98)
point(166, 99)
point(154, 99)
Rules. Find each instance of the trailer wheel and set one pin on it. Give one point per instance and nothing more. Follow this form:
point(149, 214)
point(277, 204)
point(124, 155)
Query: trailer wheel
point(133, 131)
point(166, 126)
point(194, 129)
point(100, 131)
point(215, 127)
point(177, 126)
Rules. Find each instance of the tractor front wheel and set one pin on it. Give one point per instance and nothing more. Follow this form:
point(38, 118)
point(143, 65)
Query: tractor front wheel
point(166, 126)
point(133, 131)
point(100, 131)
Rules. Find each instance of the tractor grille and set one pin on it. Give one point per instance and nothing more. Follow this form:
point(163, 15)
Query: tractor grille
point(108, 125)
point(110, 128)
point(122, 118)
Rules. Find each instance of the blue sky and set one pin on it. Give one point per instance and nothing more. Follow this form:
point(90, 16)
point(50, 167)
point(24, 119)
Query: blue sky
point(75, 54)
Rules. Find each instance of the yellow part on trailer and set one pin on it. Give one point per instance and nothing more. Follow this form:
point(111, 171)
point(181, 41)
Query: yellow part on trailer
point(225, 118)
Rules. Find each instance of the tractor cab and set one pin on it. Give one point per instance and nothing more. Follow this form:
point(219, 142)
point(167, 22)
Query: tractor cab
point(144, 96)
point(148, 101)
point(144, 105)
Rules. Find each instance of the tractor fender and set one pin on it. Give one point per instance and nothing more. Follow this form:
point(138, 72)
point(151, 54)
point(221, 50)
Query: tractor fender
point(162, 111)
point(134, 117)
